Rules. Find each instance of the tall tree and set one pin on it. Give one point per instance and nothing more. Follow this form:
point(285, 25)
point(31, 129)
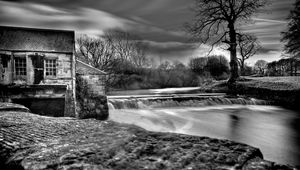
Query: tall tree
point(248, 46)
point(216, 20)
point(291, 36)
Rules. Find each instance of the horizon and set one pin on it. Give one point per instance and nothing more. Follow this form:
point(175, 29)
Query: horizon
point(157, 22)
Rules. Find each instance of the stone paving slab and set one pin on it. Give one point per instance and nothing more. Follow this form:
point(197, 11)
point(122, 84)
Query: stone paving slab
point(29, 141)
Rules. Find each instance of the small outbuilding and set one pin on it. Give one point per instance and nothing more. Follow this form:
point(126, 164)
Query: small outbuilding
point(94, 77)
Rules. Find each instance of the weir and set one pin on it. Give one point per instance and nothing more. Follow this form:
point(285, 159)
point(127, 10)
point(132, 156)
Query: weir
point(183, 100)
point(237, 118)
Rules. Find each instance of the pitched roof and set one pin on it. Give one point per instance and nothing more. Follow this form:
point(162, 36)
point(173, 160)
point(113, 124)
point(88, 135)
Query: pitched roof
point(86, 69)
point(35, 39)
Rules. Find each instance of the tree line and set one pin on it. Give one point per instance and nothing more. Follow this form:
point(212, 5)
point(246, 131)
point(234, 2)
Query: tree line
point(282, 67)
point(116, 52)
point(123, 57)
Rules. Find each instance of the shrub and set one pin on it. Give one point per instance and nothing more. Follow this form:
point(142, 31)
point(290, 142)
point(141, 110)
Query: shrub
point(218, 66)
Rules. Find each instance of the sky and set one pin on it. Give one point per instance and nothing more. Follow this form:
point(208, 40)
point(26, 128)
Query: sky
point(158, 22)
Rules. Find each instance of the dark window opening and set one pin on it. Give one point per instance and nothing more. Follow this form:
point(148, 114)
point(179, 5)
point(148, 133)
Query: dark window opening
point(20, 66)
point(4, 60)
point(50, 66)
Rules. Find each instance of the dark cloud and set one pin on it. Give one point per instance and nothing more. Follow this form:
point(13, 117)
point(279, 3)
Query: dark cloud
point(279, 10)
point(170, 47)
point(172, 51)
point(268, 33)
point(13, 0)
point(159, 22)
point(265, 50)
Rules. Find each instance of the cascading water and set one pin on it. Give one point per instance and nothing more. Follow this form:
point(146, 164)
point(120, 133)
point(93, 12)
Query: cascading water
point(255, 122)
point(110, 106)
point(191, 101)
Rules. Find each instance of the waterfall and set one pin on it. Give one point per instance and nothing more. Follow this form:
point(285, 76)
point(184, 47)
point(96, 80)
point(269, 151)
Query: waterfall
point(194, 101)
point(111, 106)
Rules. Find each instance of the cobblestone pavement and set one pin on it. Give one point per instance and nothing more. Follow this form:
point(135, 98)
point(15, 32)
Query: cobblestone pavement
point(29, 141)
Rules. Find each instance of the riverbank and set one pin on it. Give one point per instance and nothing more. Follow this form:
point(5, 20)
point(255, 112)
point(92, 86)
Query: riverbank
point(283, 91)
point(29, 141)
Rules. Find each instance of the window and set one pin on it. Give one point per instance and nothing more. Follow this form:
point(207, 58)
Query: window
point(50, 65)
point(20, 66)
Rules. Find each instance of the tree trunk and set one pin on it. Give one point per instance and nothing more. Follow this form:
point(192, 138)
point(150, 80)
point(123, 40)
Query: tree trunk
point(296, 68)
point(291, 67)
point(243, 68)
point(233, 57)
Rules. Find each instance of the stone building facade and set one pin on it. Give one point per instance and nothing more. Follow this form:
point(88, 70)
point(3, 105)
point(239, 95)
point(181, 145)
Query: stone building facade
point(91, 98)
point(94, 77)
point(37, 69)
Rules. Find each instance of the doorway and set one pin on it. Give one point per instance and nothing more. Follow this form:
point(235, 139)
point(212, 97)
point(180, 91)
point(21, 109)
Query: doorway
point(38, 66)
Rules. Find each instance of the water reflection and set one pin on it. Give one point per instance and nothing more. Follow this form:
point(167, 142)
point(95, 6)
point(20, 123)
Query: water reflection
point(276, 131)
point(235, 122)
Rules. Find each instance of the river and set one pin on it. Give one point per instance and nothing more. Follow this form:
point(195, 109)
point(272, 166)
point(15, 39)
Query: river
point(273, 129)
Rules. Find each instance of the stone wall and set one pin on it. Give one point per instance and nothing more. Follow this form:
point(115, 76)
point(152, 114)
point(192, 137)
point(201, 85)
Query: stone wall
point(90, 103)
point(50, 100)
point(94, 77)
point(70, 104)
point(96, 83)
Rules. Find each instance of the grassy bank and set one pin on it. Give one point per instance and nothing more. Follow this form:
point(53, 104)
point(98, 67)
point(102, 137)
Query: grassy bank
point(272, 83)
point(283, 91)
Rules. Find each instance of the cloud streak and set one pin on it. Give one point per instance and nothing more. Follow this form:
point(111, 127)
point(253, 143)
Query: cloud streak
point(38, 15)
point(270, 20)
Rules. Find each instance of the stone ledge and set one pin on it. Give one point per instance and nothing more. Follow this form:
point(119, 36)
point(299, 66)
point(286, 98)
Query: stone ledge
point(12, 107)
point(29, 141)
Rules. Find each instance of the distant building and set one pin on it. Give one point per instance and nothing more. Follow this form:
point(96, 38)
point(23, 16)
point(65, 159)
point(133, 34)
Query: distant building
point(37, 69)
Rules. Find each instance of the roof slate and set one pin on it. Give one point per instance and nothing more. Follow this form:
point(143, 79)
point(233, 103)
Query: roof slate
point(86, 69)
point(34, 39)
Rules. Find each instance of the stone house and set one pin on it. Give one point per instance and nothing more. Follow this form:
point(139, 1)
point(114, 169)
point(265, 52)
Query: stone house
point(37, 69)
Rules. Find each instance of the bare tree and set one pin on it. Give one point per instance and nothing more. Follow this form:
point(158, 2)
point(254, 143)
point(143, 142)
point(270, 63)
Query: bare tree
point(216, 21)
point(138, 57)
point(198, 65)
point(116, 52)
point(164, 72)
point(97, 52)
point(128, 48)
point(248, 46)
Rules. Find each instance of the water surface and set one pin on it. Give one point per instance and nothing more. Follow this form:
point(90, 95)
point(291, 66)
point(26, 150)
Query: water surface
point(275, 130)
